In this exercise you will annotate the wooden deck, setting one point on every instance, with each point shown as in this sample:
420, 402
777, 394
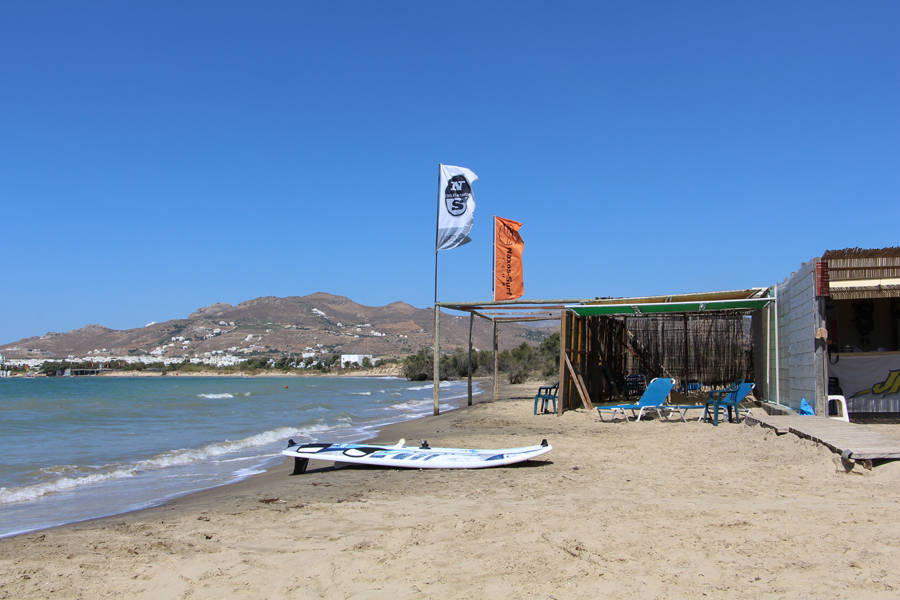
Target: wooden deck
850, 440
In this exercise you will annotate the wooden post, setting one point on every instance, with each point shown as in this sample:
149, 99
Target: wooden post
561, 392
496, 363
819, 367
437, 360
685, 364
471, 320
579, 384
578, 355
582, 355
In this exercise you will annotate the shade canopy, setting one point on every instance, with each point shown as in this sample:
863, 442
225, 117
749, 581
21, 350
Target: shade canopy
650, 308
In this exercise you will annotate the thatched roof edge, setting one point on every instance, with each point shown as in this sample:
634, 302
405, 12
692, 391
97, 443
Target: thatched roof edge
890, 251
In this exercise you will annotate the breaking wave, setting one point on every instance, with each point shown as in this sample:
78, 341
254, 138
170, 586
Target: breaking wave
430, 386
172, 458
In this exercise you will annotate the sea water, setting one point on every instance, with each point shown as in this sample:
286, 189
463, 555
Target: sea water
79, 448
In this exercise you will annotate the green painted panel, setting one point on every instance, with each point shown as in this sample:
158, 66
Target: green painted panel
669, 307
602, 310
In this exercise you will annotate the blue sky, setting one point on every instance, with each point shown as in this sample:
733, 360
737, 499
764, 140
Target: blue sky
158, 157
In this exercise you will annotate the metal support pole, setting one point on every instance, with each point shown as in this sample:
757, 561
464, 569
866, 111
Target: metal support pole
437, 360
437, 312
777, 353
768, 353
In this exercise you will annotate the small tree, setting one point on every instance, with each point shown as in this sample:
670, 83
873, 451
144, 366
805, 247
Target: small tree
419, 366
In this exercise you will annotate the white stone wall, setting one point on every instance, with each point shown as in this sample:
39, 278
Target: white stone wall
797, 321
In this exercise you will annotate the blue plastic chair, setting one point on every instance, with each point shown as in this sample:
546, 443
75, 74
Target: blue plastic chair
545, 395
653, 398
721, 394
730, 400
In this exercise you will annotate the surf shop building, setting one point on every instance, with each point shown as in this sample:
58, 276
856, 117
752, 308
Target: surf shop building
838, 333
830, 330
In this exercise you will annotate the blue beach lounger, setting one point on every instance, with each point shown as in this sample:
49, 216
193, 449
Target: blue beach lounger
681, 410
653, 398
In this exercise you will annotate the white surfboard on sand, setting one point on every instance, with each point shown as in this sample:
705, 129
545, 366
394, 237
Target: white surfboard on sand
412, 457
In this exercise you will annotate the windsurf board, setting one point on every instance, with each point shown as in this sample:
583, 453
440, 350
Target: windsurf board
412, 457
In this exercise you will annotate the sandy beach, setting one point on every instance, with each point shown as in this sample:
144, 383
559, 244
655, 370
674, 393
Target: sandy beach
649, 510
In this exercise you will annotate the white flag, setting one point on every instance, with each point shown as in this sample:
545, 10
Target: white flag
456, 207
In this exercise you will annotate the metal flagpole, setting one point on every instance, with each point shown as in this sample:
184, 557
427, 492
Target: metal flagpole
496, 343
437, 220
437, 361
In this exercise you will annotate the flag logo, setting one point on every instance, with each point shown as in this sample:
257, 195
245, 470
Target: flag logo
456, 207
457, 195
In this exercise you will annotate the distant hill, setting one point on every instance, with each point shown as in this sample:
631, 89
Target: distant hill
271, 325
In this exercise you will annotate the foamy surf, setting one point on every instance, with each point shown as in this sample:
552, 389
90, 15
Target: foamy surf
430, 386
131, 444
164, 460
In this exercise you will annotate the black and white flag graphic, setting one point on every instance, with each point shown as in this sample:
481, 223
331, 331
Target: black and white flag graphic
456, 207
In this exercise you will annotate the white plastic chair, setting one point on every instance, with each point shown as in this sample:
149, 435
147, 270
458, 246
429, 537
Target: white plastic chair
842, 403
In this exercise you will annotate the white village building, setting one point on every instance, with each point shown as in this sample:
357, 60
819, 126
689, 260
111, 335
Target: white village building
356, 359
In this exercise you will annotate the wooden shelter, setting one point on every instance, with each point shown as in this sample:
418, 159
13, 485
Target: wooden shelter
507, 311
699, 339
601, 338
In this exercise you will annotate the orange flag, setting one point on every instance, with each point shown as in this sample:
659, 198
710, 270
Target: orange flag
509, 280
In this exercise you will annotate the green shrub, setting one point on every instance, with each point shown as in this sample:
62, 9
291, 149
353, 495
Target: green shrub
419, 366
518, 363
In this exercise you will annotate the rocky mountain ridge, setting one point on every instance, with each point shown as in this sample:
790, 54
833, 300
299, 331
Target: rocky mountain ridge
319, 322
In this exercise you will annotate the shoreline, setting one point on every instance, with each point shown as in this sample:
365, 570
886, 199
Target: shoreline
656, 508
390, 433
374, 372
455, 403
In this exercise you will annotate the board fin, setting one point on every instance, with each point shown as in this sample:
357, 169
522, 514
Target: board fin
300, 465
401, 443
